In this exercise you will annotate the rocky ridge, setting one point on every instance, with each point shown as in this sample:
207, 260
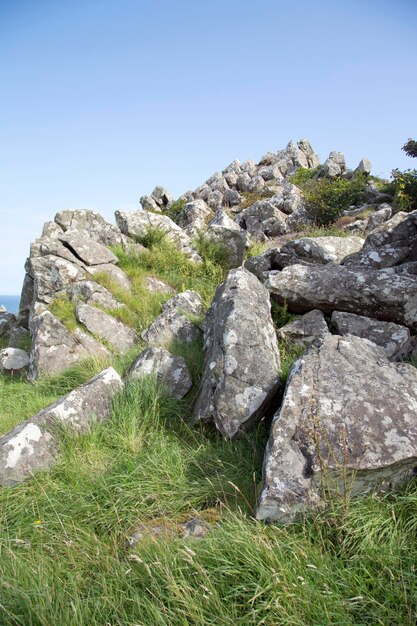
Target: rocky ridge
349, 406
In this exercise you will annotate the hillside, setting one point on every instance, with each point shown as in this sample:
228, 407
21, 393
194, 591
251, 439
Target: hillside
208, 411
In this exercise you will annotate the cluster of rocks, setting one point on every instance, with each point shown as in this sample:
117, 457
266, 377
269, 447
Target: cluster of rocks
347, 416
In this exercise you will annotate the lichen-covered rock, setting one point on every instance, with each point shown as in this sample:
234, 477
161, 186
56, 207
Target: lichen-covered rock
91, 224
87, 249
55, 348
263, 219
189, 302
194, 217
116, 274
138, 223
364, 167
171, 326
117, 334
241, 365
304, 330
52, 274
170, 370
13, 360
7, 322
372, 293
389, 336
34, 445
348, 422
90, 292
227, 234
383, 214
317, 250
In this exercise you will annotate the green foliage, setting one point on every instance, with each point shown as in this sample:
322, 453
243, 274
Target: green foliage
404, 189
250, 197
212, 251
175, 209
152, 237
303, 175
289, 352
64, 558
256, 248
410, 148
64, 310
326, 198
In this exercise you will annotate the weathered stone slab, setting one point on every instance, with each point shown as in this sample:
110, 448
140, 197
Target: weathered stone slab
52, 274
91, 224
372, 293
225, 232
348, 422
262, 220
171, 326
86, 249
55, 348
13, 360
241, 366
92, 293
303, 331
117, 334
7, 322
317, 250
138, 223
116, 274
189, 302
389, 336
171, 370
34, 445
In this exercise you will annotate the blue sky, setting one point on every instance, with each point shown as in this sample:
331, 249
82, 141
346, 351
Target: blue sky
100, 101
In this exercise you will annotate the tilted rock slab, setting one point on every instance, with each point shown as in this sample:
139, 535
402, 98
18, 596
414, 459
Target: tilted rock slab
389, 336
117, 334
348, 422
304, 330
241, 365
34, 445
316, 250
116, 274
55, 348
86, 249
137, 223
52, 274
91, 224
170, 370
372, 293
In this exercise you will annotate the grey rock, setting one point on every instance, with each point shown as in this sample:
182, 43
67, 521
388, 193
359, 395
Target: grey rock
34, 445
86, 249
189, 302
215, 199
365, 166
51, 230
90, 292
7, 322
243, 181
19, 337
263, 219
348, 421
154, 285
117, 275
381, 257
91, 224
241, 365
162, 197
334, 166
118, 335
398, 231
54, 348
227, 234
138, 223
52, 274
372, 293
256, 184
313, 160
389, 336
195, 216
232, 199
45, 246
26, 300
317, 250
234, 167
149, 204
13, 360
170, 370
171, 327
259, 265
304, 330
380, 216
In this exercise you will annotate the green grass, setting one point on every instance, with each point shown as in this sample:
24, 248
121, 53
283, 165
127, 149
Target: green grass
64, 559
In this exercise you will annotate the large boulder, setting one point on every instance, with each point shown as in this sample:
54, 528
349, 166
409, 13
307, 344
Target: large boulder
118, 335
194, 217
116, 275
304, 330
55, 348
241, 365
34, 445
389, 336
13, 360
227, 234
170, 370
262, 220
174, 323
52, 274
91, 224
7, 322
138, 223
372, 293
347, 425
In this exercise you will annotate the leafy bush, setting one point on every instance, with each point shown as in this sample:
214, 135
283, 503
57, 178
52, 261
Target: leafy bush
175, 209
326, 198
403, 187
152, 237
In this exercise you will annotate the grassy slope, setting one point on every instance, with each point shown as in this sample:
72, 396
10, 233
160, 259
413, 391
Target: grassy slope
63, 553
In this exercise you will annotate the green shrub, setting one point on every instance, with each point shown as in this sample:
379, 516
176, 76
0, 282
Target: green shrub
326, 198
403, 188
175, 209
152, 237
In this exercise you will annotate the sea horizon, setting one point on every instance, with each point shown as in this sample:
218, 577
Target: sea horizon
11, 303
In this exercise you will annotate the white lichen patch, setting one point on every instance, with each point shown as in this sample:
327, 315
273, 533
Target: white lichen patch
22, 442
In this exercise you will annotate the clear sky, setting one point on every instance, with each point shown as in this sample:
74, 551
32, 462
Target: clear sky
101, 100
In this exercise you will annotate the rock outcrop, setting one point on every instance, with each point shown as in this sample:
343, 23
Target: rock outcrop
241, 367
347, 425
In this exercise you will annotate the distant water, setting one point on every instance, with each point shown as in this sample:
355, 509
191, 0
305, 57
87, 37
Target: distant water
11, 303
